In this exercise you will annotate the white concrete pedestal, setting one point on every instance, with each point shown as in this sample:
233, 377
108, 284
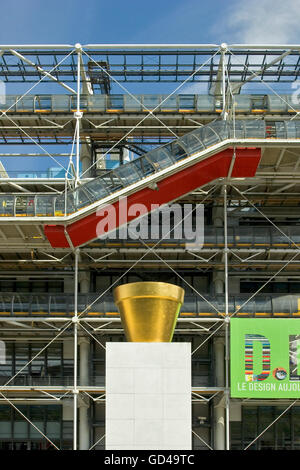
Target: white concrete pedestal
148, 396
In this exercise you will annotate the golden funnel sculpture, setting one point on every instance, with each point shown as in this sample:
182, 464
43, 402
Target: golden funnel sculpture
149, 310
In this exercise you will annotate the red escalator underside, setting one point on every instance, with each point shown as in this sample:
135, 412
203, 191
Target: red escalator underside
169, 189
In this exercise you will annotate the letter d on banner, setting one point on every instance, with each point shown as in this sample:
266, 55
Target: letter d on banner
250, 340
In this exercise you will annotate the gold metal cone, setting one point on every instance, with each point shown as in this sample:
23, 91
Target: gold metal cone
149, 310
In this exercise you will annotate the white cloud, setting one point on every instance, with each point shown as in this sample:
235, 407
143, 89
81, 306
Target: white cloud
263, 22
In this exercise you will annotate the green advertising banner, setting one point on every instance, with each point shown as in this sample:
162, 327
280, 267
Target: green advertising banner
265, 357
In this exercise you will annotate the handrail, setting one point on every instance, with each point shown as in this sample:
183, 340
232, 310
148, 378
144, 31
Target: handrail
62, 305
53, 103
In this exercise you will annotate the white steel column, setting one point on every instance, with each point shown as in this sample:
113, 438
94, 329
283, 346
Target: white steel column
218, 282
84, 430
75, 318
78, 113
219, 408
227, 320
84, 280
75, 321
223, 52
86, 159
84, 349
219, 423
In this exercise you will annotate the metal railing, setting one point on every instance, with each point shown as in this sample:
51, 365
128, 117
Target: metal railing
96, 103
62, 305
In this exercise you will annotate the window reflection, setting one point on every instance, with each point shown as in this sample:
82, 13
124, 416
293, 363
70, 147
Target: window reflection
284, 434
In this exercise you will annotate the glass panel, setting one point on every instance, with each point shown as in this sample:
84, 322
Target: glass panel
205, 103
115, 102
58, 304
96, 189
96, 103
209, 137
161, 157
192, 143
296, 427
128, 174
54, 413
83, 103
42, 103
60, 103
260, 234
21, 428
82, 198
249, 426
177, 151
53, 430
277, 104
132, 104
5, 421
169, 104
187, 101
38, 365
5, 303
21, 304
294, 234
144, 166
24, 205
25, 104
44, 205
71, 206
254, 129
209, 235
21, 358
59, 204
151, 101
6, 370
292, 107
263, 304
113, 182
54, 360
222, 128
235, 435
280, 130
237, 129
7, 205
244, 306
37, 413
293, 129
242, 103
266, 416
10, 103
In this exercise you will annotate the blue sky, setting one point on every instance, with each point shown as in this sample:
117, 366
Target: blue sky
156, 21
180, 21
97, 21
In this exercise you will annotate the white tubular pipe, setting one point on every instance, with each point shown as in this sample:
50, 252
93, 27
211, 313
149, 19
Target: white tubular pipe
227, 318
75, 320
151, 46
36, 46
265, 46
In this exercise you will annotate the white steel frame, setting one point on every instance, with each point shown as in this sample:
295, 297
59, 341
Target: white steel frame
209, 325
